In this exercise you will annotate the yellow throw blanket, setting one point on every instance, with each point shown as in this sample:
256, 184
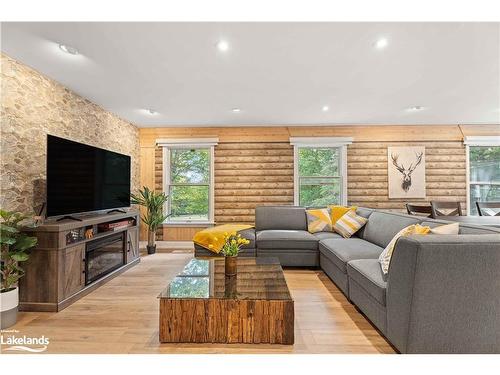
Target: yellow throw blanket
212, 238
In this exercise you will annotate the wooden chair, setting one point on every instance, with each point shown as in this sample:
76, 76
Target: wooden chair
418, 210
484, 208
436, 207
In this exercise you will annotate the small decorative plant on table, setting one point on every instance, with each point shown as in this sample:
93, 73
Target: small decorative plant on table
154, 216
14, 250
232, 246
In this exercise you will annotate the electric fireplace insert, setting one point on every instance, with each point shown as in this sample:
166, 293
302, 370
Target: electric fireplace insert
103, 256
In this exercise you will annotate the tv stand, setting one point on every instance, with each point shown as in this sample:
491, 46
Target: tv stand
116, 210
69, 217
56, 272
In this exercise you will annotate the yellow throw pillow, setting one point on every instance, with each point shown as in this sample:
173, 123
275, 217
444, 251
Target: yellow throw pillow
349, 224
446, 229
339, 211
385, 256
318, 220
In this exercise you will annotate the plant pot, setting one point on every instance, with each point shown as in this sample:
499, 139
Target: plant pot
151, 249
231, 265
9, 302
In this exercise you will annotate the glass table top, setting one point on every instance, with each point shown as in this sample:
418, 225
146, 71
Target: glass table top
257, 278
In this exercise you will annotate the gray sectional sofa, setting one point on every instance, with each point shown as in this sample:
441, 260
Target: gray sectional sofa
442, 293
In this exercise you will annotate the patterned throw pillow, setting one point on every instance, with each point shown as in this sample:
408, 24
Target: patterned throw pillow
349, 224
318, 220
385, 256
339, 211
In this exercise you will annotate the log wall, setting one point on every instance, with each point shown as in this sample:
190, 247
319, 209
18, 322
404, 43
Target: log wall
251, 174
367, 177
254, 166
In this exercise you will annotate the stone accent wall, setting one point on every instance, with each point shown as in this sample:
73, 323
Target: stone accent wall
33, 106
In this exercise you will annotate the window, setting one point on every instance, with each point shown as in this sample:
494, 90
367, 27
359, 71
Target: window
188, 181
484, 170
484, 180
320, 171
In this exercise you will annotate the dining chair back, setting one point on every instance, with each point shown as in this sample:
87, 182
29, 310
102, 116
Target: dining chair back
438, 209
488, 208
419, 210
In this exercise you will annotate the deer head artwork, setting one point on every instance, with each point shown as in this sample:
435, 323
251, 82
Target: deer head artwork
406, 172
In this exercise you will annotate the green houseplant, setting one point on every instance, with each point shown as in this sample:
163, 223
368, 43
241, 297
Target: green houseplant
153, 216
14, 250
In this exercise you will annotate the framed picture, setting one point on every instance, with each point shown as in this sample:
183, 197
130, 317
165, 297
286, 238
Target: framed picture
406, 170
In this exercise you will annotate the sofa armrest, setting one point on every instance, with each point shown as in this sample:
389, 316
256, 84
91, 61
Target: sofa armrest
443, 294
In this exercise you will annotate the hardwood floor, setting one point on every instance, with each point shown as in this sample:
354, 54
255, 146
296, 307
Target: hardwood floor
122, 317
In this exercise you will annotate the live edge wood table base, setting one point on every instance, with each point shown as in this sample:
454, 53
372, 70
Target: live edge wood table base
252, 308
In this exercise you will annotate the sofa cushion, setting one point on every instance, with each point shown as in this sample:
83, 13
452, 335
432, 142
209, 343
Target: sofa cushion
452, 228
318, 220
434, 223
385, 257
325, 235
464, 228
349, 224
367, 273
340, 251
280, 217
338, 211
365, 212
286, 239
383, 226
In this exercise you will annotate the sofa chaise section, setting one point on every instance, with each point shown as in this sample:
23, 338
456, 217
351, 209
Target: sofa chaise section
367, 290
335, 253
369, 243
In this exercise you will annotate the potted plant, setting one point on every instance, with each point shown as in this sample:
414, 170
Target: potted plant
14, 250
153, 217
230, 249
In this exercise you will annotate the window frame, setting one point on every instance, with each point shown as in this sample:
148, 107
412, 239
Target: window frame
321, 142
476, 141
197, 144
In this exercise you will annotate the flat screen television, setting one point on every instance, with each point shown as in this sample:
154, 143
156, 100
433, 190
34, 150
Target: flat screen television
83, 178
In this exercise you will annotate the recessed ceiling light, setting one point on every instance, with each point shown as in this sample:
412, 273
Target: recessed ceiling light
416, 108
236, 110
68, 49
151, 112
325, 108
222, 45
381, 43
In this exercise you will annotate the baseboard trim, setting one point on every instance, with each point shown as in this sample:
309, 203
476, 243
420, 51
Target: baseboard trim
181, 245
171, 245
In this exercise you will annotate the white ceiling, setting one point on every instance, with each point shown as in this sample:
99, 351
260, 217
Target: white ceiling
277, 73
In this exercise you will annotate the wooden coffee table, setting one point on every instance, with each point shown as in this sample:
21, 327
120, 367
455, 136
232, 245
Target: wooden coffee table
202, 305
